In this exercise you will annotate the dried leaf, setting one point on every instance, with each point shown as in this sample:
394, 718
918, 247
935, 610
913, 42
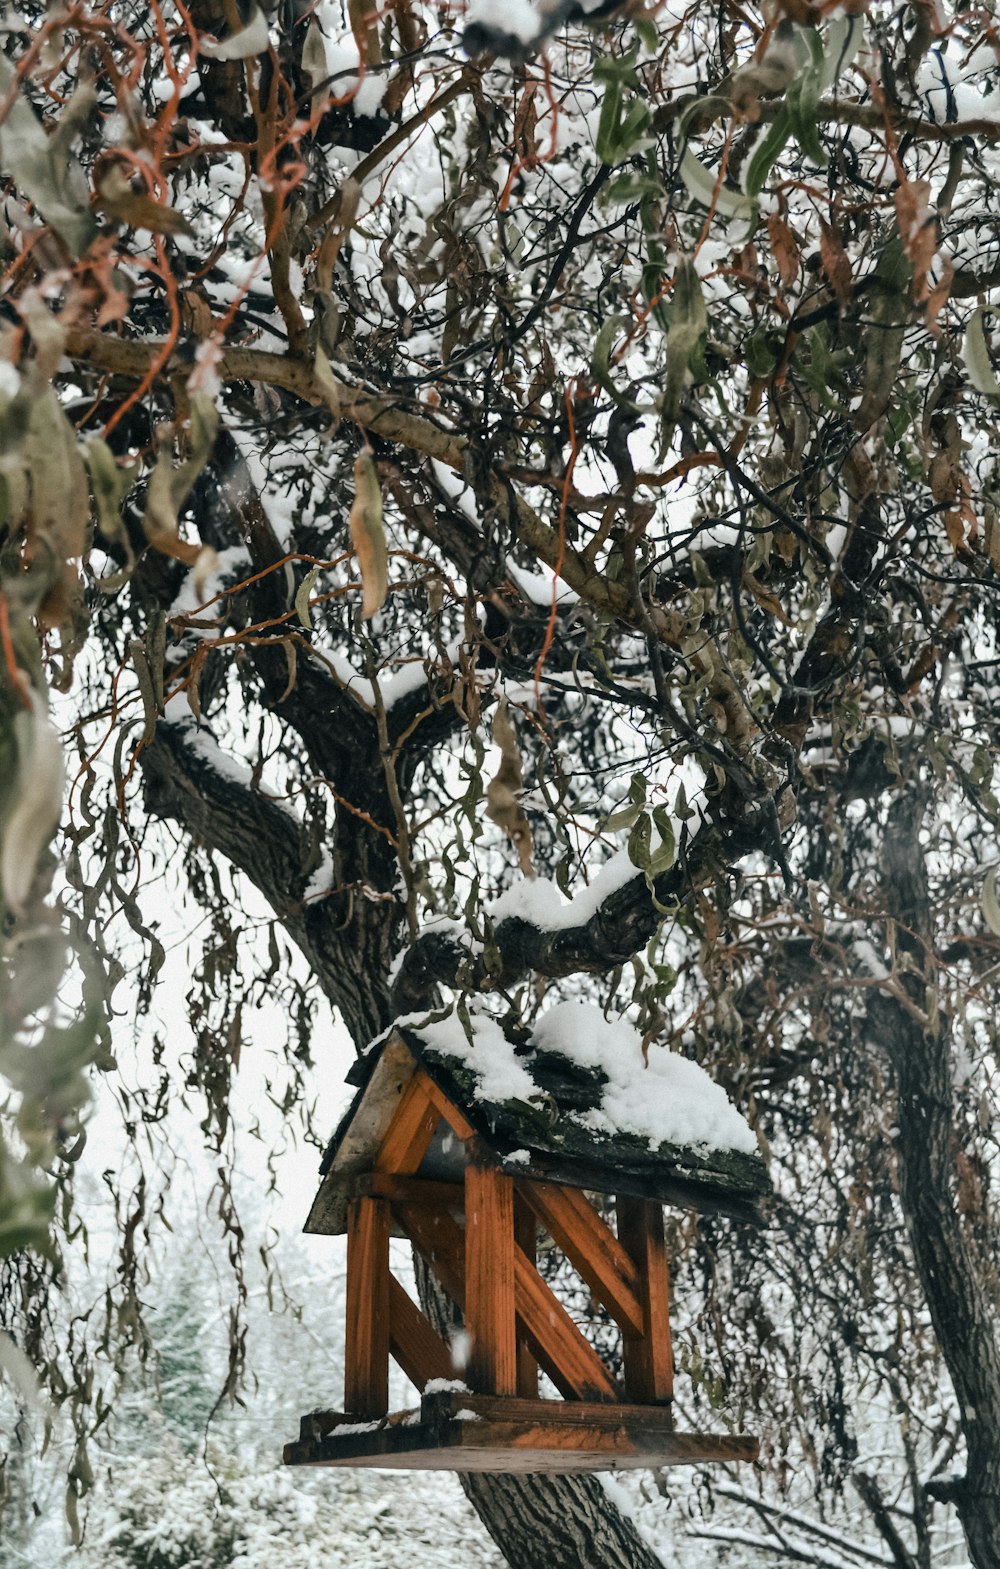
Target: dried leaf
503, 794
136, 208
835, 262
315, 66
302, 596
326, 381
990, 903
368, 535
171, 482
783, 249
147, 690
917, 230
38, 163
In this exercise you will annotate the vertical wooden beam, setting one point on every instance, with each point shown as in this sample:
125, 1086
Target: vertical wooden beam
649, 1357
526, 1238
489, 1280
366, 1355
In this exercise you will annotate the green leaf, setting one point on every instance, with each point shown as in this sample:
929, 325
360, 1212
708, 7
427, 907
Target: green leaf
767, 152
663, 857
32, 808
600, 364
639, 841
688, 324
171, 482
802, 100
976, 356
110, 483
700, 184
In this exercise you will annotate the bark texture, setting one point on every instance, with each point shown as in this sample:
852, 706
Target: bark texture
956, 1275
543, 1522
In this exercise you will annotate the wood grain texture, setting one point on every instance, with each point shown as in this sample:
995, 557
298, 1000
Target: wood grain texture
563, 1350
366, 1351
455, 1119
526, 1239
591, 1247
648, 1356
413, 1342
448, 1196
489, 1280
553, 1339
469, 1433
411, 1129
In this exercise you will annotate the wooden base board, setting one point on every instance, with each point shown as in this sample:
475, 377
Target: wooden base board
453, 1431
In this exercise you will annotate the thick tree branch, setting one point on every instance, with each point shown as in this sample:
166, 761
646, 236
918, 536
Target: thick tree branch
619, 928
382, 416
347, 939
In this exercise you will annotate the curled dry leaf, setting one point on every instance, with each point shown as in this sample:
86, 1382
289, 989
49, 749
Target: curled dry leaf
368, 535
835, 261
783, 249
503, 794
990, 903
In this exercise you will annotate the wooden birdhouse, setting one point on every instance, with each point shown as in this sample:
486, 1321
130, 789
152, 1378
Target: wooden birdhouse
477, 1150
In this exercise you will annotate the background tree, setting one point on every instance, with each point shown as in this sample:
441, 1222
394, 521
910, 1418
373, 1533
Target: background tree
496, 465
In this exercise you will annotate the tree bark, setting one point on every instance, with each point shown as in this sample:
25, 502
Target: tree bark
543, 1522
960, 1291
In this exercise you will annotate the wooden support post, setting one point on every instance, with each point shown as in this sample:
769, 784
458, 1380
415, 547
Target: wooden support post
489, 1280
366, 1357
526, 1239
649, 1357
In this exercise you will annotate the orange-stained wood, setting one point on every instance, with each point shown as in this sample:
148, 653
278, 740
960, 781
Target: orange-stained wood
566, 1354
366, 1358
449, 1111
414, 1190
648, 1357
489, 1280
526, 1238
591, 1247
414, 1343
552, 1338
411, 1129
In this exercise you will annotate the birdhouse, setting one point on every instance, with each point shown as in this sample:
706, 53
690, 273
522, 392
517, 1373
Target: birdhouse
476, 1148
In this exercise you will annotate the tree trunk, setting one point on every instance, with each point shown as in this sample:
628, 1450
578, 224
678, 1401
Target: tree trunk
960, 1290
543, 1522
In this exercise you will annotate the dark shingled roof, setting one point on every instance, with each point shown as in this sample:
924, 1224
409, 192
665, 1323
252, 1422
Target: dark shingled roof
552, 1127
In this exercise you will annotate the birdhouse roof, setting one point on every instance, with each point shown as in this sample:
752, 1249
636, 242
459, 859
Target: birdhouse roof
576, 1102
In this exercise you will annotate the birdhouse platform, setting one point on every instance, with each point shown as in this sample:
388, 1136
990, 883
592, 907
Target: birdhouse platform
455, 1431
474, 1183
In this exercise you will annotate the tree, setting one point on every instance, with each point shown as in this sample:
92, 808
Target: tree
424, 473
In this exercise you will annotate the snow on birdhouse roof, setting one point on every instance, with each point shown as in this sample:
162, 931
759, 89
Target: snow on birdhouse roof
574, 1100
